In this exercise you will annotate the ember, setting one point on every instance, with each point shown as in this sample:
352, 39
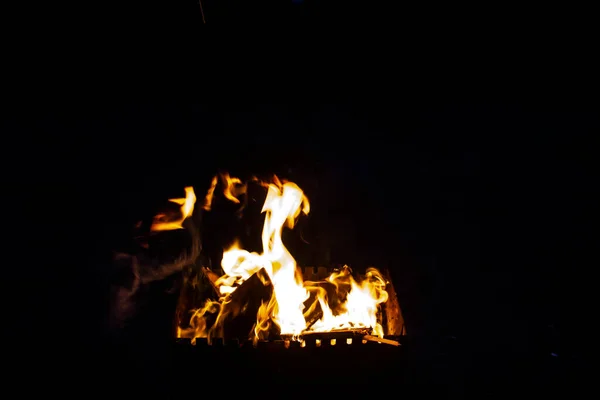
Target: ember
266, 295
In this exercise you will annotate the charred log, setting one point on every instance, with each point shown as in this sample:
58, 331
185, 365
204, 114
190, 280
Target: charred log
242, 305
376, 339
212, 279
313, 313
197, 286
341, 335
394, 322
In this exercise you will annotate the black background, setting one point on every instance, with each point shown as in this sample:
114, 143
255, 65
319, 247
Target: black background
479, 211
470, 178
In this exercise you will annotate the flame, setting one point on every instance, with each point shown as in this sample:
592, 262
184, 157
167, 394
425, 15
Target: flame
356, 302
232, 188
187, 208
362, 300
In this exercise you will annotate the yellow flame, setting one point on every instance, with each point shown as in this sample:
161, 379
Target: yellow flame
361, 305
187, 208
357, 302
232, 188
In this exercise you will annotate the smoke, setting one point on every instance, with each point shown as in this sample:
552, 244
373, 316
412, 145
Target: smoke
152, 261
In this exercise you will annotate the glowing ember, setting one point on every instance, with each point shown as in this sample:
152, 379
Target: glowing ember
295, 306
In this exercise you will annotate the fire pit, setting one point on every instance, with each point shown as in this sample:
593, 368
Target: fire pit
260, 311
329, 358
266, 296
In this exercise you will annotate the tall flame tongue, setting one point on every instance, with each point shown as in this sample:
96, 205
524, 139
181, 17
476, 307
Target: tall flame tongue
283, 207
357, 302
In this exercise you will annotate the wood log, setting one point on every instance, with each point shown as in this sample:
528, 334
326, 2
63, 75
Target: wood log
241, 306
196, 289
377, 339
340, 335
212, 279
313, 316
394, 322
313, 311
185, 302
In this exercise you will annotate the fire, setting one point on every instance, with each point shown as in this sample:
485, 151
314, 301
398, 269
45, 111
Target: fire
161, 223
233, 187
295, 306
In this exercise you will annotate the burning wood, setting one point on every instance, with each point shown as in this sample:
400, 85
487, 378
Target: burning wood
376, 339
313, 314
212, 278
312, 305
338, 334
242, 305
394, 320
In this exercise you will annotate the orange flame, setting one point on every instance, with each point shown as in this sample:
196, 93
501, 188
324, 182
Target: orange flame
358, 301
187, 208
232, 188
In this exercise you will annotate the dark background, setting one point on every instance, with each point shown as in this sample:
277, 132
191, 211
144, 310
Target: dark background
479, 211
465, 167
